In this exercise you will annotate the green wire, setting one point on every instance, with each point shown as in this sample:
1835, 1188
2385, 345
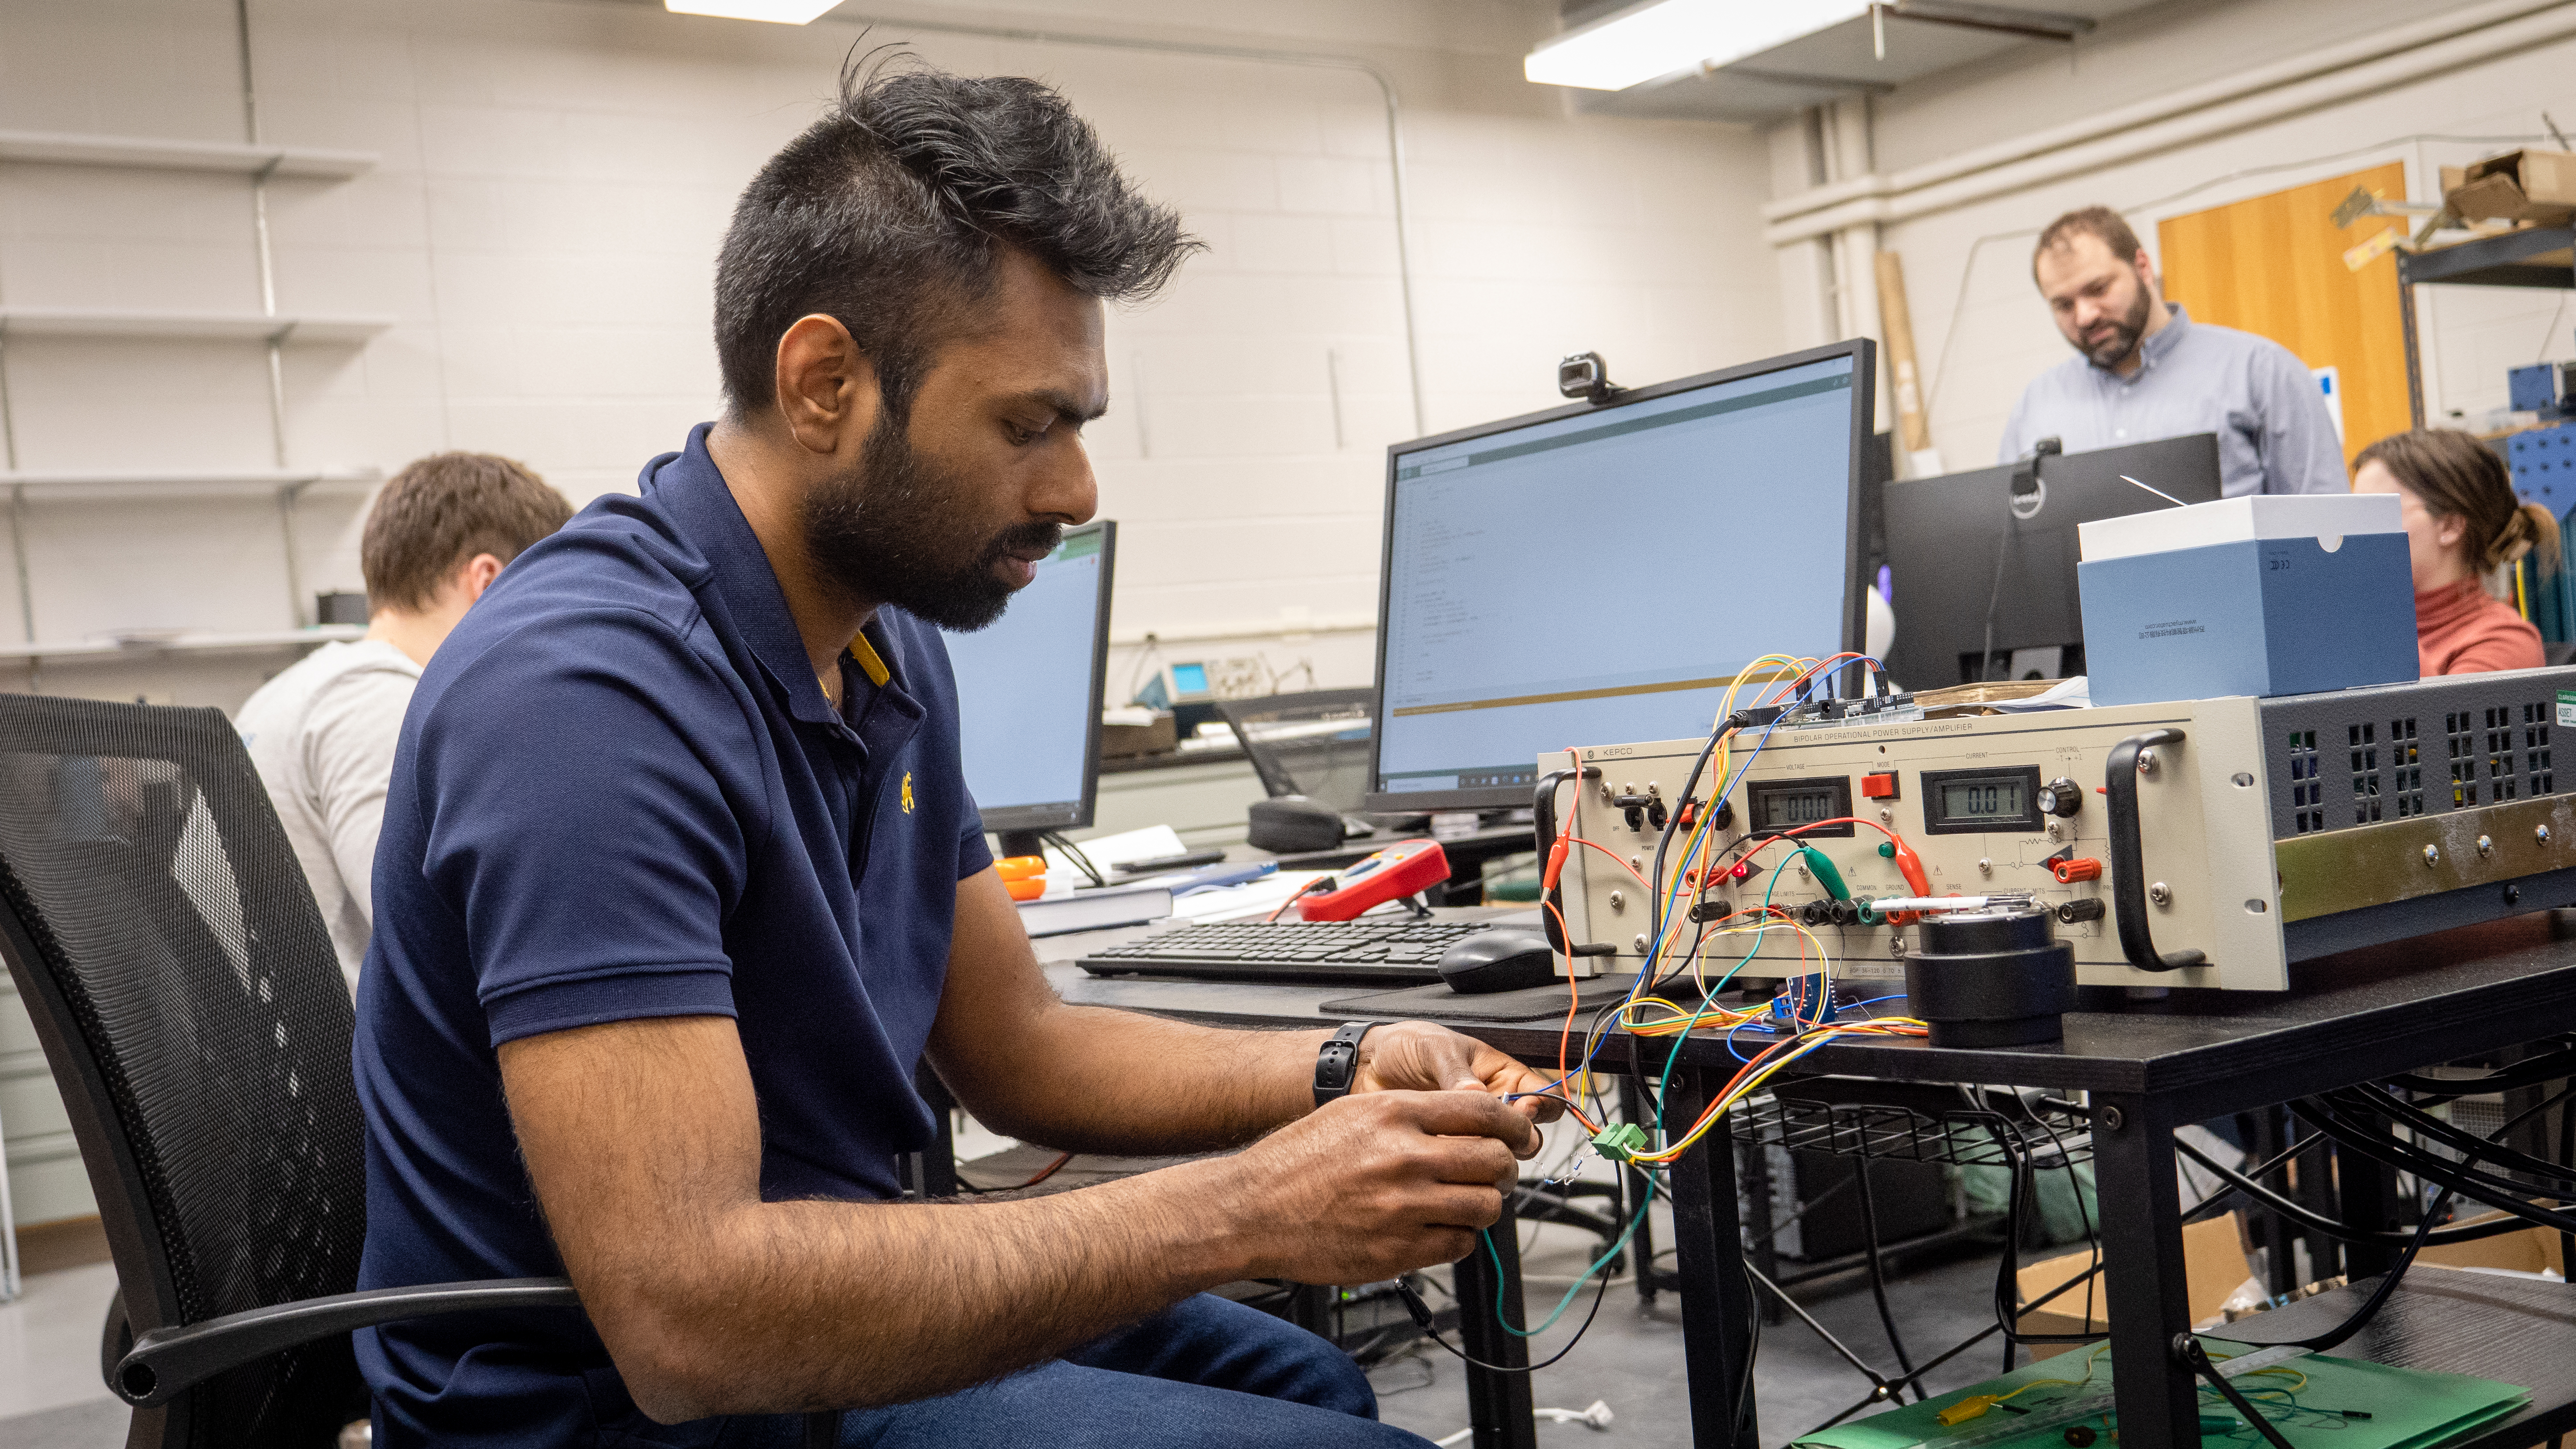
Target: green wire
1563, 1303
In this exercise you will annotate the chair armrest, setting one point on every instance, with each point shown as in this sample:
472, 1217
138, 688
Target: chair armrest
167, 1362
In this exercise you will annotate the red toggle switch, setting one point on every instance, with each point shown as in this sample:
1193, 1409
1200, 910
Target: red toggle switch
1878, 787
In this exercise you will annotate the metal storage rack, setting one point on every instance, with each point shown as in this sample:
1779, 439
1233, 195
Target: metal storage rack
2542, 257
283, 484
268, 327
2534, 257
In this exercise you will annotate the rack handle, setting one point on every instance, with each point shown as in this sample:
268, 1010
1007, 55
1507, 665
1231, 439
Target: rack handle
2128, 856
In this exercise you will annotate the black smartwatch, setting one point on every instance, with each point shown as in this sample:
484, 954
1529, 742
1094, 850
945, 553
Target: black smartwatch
1337, 1061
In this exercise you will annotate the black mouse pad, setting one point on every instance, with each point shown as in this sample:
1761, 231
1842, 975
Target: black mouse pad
1438, 1003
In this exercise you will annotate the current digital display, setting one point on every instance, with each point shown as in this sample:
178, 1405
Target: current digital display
1777, 806
1969, 802
1988, 798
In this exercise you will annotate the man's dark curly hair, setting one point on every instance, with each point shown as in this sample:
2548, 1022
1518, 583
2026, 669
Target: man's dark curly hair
891, 212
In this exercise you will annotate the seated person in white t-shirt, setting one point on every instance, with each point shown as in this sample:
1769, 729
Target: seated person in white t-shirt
322, 733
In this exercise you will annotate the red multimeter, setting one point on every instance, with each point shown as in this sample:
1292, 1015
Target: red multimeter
1399, 870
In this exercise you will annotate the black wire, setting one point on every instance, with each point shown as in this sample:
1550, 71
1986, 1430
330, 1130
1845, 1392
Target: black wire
2003, 550
2469, 1184
1878, 1270
2423, 1230
2523, 1073
2450, 1136
2024, 1185
2196, 1356
2387, 1284
1837, 1345
1421, 1312
2315, 1221
2566, 1153
1073, 852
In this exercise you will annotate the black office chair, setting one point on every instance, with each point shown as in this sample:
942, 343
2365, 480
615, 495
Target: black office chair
164, 940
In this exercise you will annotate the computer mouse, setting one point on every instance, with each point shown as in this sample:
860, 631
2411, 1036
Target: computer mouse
1498, 961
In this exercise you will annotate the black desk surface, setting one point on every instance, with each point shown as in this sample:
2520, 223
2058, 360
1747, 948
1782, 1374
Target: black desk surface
2386, 1000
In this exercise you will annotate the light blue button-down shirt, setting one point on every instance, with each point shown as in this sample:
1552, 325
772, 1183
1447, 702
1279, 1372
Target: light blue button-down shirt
2274, 434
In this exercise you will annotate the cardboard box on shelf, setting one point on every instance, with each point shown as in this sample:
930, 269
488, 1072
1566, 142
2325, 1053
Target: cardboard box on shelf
2523, 186
2213, 1266
2530, 1251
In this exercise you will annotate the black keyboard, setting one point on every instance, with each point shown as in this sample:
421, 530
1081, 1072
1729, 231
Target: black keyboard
1399, 949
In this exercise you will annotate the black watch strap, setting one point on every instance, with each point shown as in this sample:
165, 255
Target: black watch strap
1337, 1062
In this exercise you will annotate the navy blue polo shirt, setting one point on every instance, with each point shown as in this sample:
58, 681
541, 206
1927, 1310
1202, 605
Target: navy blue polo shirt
620, 793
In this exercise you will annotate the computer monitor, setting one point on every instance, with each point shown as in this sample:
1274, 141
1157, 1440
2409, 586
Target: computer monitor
1960, 549
1028, 692
1600, 573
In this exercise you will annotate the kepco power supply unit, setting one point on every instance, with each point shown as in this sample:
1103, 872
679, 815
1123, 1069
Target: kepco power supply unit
2206, 843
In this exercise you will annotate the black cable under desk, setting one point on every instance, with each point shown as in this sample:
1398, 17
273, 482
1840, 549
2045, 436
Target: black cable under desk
2150, 1067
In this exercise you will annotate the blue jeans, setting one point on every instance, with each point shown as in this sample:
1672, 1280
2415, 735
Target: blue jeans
1206, 1371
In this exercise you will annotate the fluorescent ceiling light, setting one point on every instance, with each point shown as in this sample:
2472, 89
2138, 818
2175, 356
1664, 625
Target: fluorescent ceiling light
1671, 35
783, 12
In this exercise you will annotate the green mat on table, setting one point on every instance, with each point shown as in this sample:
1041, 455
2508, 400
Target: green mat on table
2409, 1408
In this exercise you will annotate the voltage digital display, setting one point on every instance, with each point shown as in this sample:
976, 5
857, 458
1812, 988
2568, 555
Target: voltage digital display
1975, 802
1779, 806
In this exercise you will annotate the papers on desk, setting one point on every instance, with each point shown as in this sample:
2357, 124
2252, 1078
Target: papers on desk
1249, 902
1109, 851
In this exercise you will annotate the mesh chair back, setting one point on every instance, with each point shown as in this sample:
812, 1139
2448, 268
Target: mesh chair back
169, 950
1314, 744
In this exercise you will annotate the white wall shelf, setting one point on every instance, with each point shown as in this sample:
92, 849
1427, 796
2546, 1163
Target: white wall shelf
168, 483
135, 647
184, 326
151, 153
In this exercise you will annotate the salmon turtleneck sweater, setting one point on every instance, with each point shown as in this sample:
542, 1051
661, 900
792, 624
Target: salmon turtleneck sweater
2462, 630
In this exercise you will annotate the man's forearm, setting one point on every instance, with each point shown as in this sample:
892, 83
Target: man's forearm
817, 1304
1120, 1082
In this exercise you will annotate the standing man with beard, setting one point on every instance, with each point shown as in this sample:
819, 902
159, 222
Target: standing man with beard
2147, 371
679, 883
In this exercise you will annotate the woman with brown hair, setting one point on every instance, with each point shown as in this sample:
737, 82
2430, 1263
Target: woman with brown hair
2463, 528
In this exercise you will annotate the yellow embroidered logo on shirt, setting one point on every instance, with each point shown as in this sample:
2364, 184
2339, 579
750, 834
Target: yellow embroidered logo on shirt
907, 792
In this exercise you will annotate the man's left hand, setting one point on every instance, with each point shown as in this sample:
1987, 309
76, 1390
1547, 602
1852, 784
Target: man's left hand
1416, 1056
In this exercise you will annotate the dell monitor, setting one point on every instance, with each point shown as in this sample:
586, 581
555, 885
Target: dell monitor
1028, 695
1602, 572
1999, 545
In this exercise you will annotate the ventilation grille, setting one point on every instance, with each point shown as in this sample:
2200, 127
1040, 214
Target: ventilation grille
2483, 738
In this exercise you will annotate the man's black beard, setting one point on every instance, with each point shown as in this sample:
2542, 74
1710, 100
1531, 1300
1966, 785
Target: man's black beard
878, 534
2124, 336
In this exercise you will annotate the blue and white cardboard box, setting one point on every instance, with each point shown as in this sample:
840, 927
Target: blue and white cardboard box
2261, 595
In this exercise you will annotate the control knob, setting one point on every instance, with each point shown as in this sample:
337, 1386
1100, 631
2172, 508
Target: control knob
2061, 797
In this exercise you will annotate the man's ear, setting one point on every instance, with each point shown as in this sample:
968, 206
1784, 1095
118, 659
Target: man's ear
826, 387
473, 576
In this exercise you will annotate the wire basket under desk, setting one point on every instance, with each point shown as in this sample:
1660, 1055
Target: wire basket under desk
1965, 1136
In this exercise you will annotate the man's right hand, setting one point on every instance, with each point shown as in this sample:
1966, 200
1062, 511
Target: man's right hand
1373, 1185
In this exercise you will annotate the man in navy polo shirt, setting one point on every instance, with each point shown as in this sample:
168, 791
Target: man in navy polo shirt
679, 880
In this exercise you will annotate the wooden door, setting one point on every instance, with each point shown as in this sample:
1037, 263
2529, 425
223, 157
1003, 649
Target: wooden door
2274, 265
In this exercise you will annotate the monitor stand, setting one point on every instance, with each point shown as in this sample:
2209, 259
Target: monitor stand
1021, 842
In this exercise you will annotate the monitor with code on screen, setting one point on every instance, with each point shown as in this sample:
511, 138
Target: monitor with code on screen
1600, 573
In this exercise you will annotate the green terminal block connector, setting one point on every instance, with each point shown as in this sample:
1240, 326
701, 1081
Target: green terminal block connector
1825, 873
1620, 1141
